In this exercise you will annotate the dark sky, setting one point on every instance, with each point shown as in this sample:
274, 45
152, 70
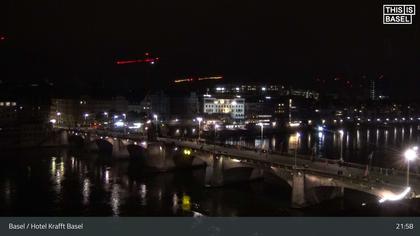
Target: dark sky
272, 40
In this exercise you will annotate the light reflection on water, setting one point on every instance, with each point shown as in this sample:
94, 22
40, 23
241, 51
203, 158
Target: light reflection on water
88, 184
386, 143
70, 183
115, 199
86, 191
143, 192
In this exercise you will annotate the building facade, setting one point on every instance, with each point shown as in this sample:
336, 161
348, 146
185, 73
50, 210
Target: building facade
235, 107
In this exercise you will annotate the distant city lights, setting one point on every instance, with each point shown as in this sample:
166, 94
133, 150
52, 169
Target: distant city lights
119, 123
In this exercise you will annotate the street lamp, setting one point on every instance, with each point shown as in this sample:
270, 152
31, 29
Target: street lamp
262, 133
341, 144
410, 155
296, 148
156, 119
86, 115
58, 117
214, 141
216, 126
199, 119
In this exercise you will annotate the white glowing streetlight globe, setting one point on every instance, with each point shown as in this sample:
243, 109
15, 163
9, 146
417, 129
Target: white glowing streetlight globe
298, 134
410, 154
341, 132
199, 119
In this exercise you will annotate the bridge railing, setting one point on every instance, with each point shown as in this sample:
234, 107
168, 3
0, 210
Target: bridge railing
372, 169
376, 171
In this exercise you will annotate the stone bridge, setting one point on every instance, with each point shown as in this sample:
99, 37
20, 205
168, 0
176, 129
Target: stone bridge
227, 165
305, 177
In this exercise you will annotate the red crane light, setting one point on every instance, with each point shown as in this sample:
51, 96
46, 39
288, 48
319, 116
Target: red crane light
147, 60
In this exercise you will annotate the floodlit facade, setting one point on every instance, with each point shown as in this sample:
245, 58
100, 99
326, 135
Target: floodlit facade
235, 107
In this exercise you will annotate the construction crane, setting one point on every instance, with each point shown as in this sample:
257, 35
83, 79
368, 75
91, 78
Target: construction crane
147, 59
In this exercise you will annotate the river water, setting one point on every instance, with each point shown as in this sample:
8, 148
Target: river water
73, 182
386, 144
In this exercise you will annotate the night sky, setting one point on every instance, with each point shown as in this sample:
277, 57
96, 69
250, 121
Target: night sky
292, 43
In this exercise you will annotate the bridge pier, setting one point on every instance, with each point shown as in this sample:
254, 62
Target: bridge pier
214, 172
90, 143
298, 190
119, 149
158, 157
310, 190
223, 170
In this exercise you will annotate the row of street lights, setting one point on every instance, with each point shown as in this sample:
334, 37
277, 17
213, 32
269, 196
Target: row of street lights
410, 154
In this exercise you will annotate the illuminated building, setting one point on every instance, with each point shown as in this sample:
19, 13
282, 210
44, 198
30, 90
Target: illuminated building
233, 106
68, 112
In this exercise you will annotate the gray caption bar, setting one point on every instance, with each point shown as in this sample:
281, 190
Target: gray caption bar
213, 226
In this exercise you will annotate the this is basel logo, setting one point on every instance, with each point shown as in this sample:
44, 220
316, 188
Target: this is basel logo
399, 14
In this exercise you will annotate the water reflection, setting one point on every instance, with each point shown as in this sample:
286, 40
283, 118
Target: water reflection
395, 135
143, 192
75, 183
115, 199
86, 191
411, 133
402, 134
294, 141
175, 203
347, 140
7, 191
57, 173
186, 203
357, 143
